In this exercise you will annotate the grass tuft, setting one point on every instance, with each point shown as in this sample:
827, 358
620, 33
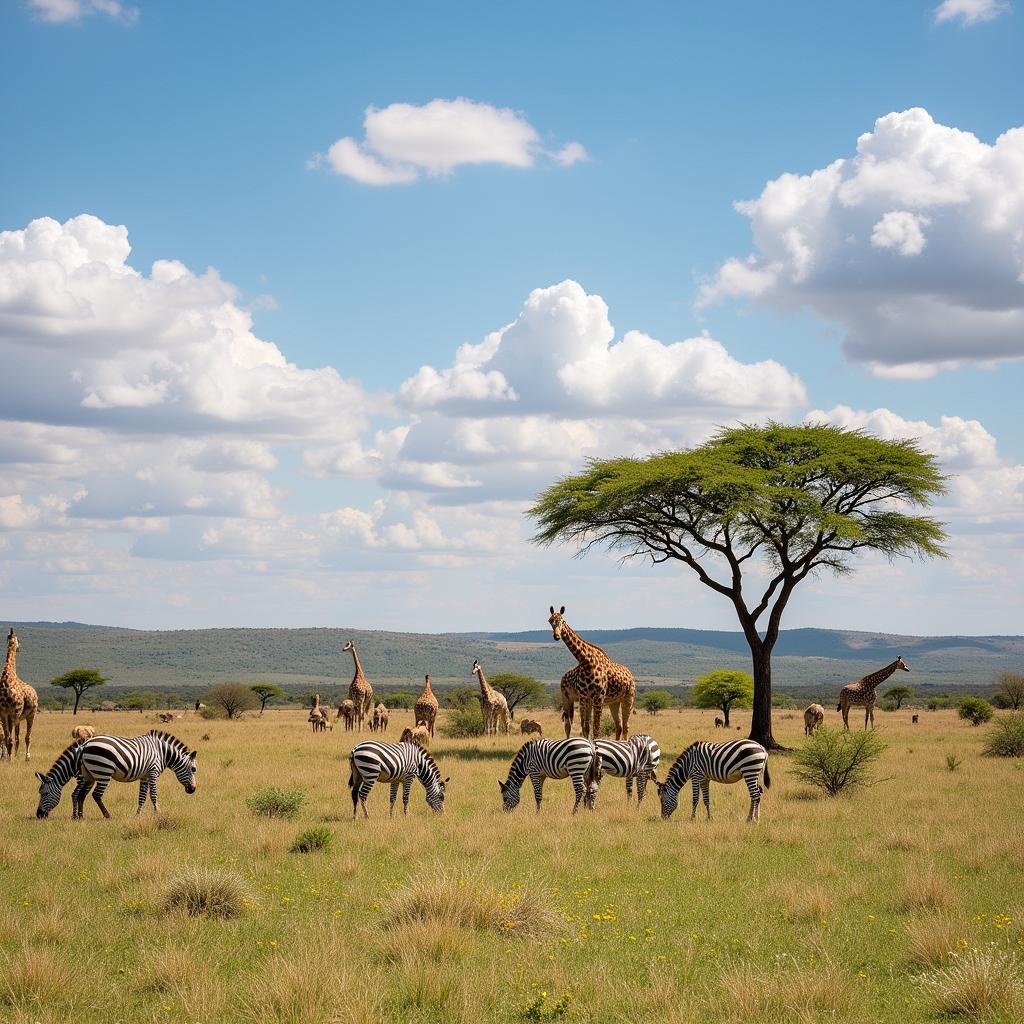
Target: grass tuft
465, 899
925, 890
204, 892
982, 983
312, 840
821, 992
274, 802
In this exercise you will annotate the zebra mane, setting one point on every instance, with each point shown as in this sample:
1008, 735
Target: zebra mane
64, 753
179, 745
431, 763
690, 747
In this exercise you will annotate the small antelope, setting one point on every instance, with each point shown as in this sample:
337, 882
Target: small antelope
529, 725
719, 723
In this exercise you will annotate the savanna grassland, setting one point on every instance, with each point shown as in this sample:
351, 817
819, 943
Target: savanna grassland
830, 910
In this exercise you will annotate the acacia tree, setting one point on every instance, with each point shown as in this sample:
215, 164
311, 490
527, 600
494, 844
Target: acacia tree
516, 688
1010, 693
79, 680
232, 698
265, 692
801, 499
898, 694
724, 688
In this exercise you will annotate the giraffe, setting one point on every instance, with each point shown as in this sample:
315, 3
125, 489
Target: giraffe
425, 711
359, 690
814, 715
594, 682
347, 710
492, 704
862, 693
18, 701
318, 715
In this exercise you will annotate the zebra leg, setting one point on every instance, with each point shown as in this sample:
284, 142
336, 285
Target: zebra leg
579, 789
538, 789
695, 785
705, 788
152, 790
81, 791
641, 788
364, 792
406, 789
629, 788
394, 797
101, 788
143, 793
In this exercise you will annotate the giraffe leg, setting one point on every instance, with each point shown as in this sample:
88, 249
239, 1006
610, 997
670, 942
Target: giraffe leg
616, 718
17, 737
595, 710
28, 736
627, 710
568, 712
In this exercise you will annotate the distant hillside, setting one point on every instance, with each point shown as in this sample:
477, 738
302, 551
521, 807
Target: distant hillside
820, 660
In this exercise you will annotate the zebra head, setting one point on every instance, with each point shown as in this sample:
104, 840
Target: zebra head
435, 795
669, 796
184, 766
49, 794
509, 795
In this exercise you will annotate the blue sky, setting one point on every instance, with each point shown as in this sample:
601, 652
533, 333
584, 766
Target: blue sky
197, 127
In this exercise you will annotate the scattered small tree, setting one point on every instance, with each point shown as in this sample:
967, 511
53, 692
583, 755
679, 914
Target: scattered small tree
231, 698
516, 689
724, 688
401, 699
836, 760
975, 710
1006, 737
898, 694
266, 692
653, 701
79, 680
1010, 692
60, 702
138, 700
462, 697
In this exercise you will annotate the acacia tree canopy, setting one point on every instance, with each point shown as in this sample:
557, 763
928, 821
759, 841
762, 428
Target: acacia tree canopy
516, 688
724, 688
265, 692
79, 680
800, 499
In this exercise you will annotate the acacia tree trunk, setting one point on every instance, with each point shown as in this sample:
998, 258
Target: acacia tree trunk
761, 719
725, 711
78, 697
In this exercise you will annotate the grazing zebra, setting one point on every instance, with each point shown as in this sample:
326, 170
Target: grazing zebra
704, 763
52, 784
576, 758
399, 764
636, 758
131, 759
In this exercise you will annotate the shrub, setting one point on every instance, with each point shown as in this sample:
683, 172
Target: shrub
1006, 737
975, 710
313, 840
983, 983
952, 762
835, 761
202, 892
463, 722
231, 699
272, 802
607, 726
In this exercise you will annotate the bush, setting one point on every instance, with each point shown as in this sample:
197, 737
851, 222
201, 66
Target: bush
272, 802
1006, 737
952, 762
975, 710
463, 722
312, 840
835, 761
207, 893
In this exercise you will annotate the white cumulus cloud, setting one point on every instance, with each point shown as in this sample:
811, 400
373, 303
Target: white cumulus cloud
970, 12
949, 205
60, 11
403, 142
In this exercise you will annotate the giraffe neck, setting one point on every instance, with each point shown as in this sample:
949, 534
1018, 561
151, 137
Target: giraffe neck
359, 668
872, 681
485, 687
582, 651
427, 691
10, 673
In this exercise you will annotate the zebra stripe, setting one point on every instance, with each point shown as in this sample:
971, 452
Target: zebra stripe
704, 763
51, 785
576, 758
131, 759
636, 758
399, 764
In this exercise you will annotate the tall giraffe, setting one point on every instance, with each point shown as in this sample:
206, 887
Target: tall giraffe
595, 681
425, 711
492, 704
862, 693
318, 715
18, 701
359, 690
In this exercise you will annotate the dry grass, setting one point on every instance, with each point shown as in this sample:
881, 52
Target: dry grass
463, 898
32, 978
985, 984
808, 903
804, 994
925, 889
207, 893
933, 939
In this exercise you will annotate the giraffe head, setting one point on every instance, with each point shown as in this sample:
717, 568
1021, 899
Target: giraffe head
901, 664
476, 667
556, 622
12, 642
349, 646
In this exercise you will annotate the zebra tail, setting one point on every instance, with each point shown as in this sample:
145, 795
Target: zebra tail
767, 777
594, 772
352, 773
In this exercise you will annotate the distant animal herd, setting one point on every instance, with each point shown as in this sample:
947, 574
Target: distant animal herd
595, 682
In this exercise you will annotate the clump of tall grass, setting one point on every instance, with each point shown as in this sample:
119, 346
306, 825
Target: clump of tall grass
807, 994
932, 939
981, 983
465, 899
274, 802
204, 892
838, 761
1006, 737
312, 840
